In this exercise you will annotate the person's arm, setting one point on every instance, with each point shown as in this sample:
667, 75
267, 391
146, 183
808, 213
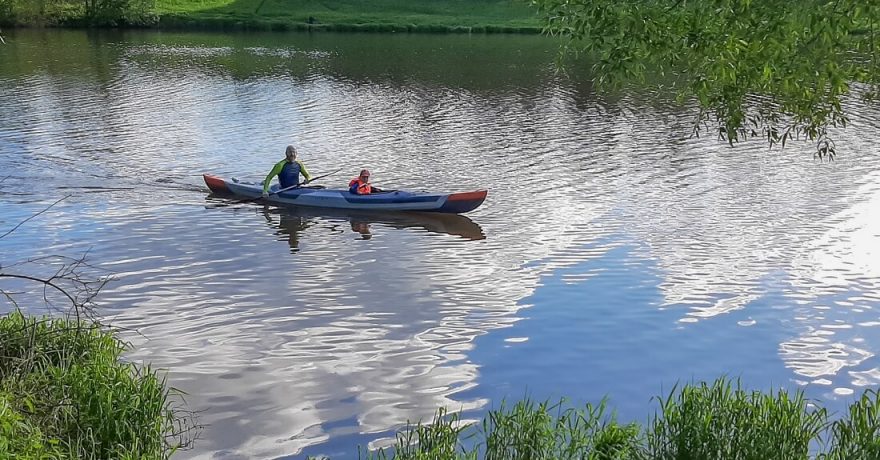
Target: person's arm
304, 171
353, 187
276, 170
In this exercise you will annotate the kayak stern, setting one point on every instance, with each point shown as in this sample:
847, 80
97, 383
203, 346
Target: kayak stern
216, 184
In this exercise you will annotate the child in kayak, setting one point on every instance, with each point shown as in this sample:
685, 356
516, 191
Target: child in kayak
361, 185
287, 170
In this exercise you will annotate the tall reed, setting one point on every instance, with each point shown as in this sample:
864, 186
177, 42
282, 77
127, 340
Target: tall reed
700, 421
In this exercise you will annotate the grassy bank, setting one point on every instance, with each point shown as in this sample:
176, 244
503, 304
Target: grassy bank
716, 421
477, 16
65, 394
349, 15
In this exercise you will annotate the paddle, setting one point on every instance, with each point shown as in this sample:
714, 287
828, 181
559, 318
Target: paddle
291, 187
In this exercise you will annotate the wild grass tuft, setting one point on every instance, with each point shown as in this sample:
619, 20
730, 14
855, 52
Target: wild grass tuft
721, 420
531, 430
525, 431
440, 439
65, 393
702, 421
857, 436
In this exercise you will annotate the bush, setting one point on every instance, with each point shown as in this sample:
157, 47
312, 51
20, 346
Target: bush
65, 393
79, 12
119, 12
7, 14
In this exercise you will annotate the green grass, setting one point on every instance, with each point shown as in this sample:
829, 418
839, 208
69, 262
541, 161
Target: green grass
857, 436
724, 421
65, 393
703, 421
367, 15
482, 16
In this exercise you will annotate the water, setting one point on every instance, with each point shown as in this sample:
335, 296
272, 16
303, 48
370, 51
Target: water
615, 255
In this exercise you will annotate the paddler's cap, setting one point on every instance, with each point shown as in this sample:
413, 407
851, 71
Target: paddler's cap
365, 173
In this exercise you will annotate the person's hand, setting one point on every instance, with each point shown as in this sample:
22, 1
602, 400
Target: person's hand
307, 182
265, 194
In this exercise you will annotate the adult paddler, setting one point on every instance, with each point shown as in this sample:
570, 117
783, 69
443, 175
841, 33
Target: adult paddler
288, 171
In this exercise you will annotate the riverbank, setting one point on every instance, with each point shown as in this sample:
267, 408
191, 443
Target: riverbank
65, 393
436, 16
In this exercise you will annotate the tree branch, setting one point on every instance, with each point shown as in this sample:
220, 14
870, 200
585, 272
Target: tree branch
35, 215
9, 298
48, 283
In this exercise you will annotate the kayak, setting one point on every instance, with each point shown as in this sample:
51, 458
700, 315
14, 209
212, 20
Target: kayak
397, 200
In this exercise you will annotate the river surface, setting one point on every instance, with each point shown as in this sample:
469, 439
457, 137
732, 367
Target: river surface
615, 255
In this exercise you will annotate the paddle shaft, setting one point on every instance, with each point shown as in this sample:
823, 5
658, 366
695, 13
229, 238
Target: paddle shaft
319, 177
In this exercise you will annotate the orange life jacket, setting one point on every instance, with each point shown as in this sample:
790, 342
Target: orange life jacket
363, 188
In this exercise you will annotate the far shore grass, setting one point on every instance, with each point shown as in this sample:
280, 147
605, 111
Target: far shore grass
476, 16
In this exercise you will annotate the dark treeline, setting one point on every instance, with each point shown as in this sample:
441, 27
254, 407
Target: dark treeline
77, 12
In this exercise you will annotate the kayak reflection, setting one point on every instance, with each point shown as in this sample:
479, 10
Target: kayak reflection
292, 221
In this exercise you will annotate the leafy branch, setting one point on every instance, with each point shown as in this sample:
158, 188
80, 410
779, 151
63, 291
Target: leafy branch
768, 69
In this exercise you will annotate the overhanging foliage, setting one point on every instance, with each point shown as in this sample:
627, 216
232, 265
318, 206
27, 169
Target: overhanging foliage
773, 68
